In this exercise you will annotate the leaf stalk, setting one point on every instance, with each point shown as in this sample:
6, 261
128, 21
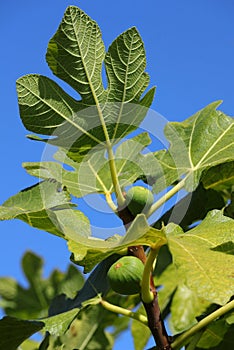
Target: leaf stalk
114, 176
110, 202
111, 158
166, 197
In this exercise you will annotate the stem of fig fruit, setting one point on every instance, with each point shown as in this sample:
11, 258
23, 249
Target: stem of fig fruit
147, 295
125, 312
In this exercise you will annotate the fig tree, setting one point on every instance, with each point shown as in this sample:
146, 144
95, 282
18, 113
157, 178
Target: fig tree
125, 275
139, 199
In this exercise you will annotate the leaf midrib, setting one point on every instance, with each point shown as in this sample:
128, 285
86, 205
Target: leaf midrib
124, 93
101, 118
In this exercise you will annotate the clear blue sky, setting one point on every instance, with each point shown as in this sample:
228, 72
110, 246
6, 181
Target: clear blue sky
190, 58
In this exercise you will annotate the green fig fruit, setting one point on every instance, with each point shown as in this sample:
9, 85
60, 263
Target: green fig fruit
125, 275
139, 200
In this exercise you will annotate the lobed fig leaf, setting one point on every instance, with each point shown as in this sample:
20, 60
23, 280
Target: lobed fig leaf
125, 275
139, 200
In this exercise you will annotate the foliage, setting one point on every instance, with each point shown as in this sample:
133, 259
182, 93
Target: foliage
97, 153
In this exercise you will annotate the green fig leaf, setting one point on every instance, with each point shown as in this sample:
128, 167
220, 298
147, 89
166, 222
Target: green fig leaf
93, 175
200, 142
22, 330
33, 302
76, 54
220, 177
45, 206
203, 256
90, 251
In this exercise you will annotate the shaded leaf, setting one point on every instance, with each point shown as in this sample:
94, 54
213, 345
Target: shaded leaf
164, 259
194, 255
94, 285
88, 331
191, 208
214, 337
185, 307
219, 177
229, 210
227, 248
71, 282
21, 330
167, 283
140, 332
58, 324
34, 301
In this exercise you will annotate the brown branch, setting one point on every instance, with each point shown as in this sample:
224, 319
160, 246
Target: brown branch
156, 324
155, 321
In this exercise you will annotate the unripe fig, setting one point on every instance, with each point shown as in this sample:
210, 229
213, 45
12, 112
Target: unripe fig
125, 275
139, 200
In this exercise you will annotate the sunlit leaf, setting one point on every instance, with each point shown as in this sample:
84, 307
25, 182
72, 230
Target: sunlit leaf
196, 144
35, 205
58, 324
29, 345
76, 54
196, 256
90, 251
46, 206
193, 271
93, 175
230, 318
